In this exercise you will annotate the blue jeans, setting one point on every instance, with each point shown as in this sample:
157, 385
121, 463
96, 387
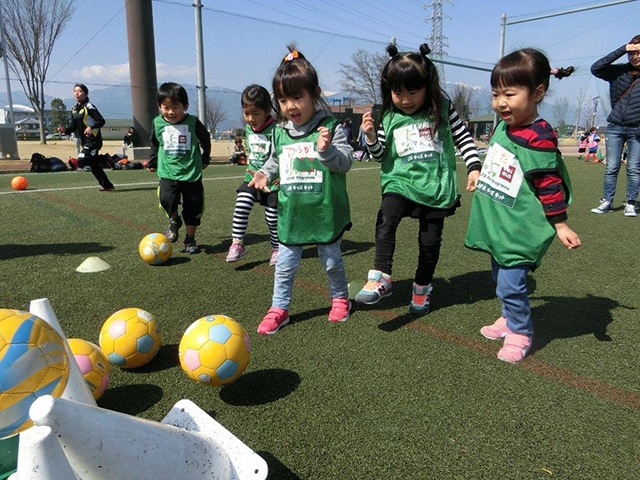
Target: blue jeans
287, 266
616, 136
511, 289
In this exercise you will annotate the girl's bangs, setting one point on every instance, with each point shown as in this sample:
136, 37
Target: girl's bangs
406, 75
292, 83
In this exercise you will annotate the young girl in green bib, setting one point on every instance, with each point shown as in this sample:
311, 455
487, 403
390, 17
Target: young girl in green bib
416, 143
521, 199
310, 155
256, 111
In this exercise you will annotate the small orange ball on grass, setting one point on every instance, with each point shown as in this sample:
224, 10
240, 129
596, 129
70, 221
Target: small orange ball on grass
19, 183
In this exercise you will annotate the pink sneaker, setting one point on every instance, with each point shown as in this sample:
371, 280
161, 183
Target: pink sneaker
273, 320
274, 257
515, 348
236, 252
496, 331
340, 308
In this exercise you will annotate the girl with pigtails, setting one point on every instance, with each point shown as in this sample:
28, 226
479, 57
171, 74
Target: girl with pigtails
521, 199
416, 142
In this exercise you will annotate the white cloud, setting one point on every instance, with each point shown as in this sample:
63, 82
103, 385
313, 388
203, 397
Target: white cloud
118, 74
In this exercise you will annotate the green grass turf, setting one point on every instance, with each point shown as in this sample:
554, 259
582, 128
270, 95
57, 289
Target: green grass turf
385, 395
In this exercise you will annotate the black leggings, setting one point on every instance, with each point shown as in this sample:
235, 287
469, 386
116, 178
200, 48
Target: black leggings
394, 209
89, 157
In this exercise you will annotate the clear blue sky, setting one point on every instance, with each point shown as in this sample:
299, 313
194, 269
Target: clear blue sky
245, 39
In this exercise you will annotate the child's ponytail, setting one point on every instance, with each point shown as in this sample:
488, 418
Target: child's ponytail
561, 72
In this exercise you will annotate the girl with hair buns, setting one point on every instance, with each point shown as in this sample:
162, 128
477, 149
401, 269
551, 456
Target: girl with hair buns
310, 155
419, 132
521, 198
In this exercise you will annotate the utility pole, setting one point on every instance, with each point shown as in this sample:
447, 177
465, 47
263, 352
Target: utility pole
437, 39
201, 87
3, 52
142, 68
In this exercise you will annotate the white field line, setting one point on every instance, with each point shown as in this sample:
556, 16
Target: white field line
136, 184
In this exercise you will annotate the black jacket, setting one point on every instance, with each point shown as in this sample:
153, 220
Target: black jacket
85, 115
625, 110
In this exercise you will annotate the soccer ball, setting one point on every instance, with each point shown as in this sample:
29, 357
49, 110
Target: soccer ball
214, 350
130, 338
93, 364
155, 249
33, 362
19, 183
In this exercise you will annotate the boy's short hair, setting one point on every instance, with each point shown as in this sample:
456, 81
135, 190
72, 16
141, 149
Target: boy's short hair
174, 92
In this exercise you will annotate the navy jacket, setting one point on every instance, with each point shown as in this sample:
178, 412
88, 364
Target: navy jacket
625, 111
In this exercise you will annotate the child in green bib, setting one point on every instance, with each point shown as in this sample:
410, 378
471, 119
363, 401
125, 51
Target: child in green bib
419, 132
310, 155
521, 199
256, 111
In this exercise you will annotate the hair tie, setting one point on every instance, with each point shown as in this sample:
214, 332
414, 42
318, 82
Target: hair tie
554, 71
290, 56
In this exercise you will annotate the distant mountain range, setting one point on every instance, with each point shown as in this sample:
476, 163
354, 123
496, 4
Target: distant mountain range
115, 102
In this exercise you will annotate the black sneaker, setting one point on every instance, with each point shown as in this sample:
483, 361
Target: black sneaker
190, 245
172, 230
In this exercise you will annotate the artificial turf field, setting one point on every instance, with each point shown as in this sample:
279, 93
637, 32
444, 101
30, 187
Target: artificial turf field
385, 395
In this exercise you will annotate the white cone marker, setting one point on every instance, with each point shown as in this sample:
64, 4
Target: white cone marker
105, 445
77, 388
92, 265
40, 457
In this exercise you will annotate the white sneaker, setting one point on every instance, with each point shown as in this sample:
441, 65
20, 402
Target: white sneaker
604, 207
630, 210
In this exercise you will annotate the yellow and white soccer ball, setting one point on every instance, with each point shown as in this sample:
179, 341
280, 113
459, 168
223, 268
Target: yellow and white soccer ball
214, 350
130, 338
155, 249
93, 364
33, 363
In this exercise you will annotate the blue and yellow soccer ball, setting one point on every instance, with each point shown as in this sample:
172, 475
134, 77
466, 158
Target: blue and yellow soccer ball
214, 350
155, 249
33, 363
130, 338
93, 364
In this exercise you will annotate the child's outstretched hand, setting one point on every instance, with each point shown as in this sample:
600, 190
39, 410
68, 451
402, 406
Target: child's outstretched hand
259, 180
324, 140
472, 180
368, 127
568, 237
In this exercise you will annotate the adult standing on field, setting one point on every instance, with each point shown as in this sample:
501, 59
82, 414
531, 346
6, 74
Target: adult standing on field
86, 122
623, 123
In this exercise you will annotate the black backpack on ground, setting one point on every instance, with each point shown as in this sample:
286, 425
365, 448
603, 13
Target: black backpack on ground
40, 163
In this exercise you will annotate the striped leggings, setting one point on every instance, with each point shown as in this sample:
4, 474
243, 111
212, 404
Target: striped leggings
244, 204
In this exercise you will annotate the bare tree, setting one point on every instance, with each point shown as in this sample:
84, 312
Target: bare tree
462, 96
31, 28
579, 107
362, 78
559, 110
215, 114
